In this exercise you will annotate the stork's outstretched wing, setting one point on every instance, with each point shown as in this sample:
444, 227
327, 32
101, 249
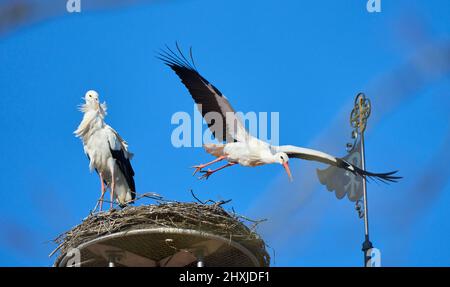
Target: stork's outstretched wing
315, 155
206, 96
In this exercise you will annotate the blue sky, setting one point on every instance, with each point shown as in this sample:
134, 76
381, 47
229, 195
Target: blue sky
305, 60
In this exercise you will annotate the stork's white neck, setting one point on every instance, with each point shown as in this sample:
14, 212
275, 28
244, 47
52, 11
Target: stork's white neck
267, 156
93, 119
273, 158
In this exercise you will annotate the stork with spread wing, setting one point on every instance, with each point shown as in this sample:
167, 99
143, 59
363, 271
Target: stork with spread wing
237, 145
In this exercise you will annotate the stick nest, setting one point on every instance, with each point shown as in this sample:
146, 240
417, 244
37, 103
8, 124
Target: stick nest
211, 218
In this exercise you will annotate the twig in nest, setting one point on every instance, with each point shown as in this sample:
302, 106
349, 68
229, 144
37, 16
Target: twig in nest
150, 195
215, 203
252, 220
219, 203
196, 198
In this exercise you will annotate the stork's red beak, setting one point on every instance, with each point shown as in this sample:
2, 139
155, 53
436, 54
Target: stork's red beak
288, 171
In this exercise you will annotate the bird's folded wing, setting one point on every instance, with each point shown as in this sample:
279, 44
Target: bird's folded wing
120, 141
121, 155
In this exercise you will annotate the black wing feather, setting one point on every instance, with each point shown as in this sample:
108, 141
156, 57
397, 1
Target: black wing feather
197, 85
341, 163
125, 167
383, 177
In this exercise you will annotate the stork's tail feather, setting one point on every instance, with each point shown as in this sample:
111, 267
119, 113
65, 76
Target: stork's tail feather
128, 200
383, 177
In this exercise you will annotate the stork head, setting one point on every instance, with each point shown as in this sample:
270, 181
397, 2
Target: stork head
283, 159
91, 98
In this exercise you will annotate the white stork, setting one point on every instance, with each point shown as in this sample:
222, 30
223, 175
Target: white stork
240, 147
107, 152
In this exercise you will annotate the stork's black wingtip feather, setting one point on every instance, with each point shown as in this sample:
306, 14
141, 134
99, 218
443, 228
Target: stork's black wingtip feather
175, 59
385, 177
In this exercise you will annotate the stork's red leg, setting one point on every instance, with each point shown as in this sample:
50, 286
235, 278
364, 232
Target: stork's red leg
207, 174
200, 166
113, 187
113, 184
102, 193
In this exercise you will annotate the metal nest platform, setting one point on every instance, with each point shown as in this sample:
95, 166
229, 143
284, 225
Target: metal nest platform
167, 234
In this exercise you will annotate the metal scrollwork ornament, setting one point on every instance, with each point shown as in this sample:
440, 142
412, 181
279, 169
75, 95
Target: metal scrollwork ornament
360, 113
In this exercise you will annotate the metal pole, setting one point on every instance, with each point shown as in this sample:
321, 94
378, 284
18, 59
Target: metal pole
363, 166
358, 120
367, 245
200, 254
113, 256
200, 262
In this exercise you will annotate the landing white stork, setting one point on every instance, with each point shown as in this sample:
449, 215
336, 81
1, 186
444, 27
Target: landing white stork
107, 152
240, 147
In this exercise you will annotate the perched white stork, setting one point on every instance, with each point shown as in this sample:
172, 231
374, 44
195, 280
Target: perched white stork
107, 152
240, 147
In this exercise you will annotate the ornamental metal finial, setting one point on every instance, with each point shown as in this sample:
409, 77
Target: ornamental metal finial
360, 113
